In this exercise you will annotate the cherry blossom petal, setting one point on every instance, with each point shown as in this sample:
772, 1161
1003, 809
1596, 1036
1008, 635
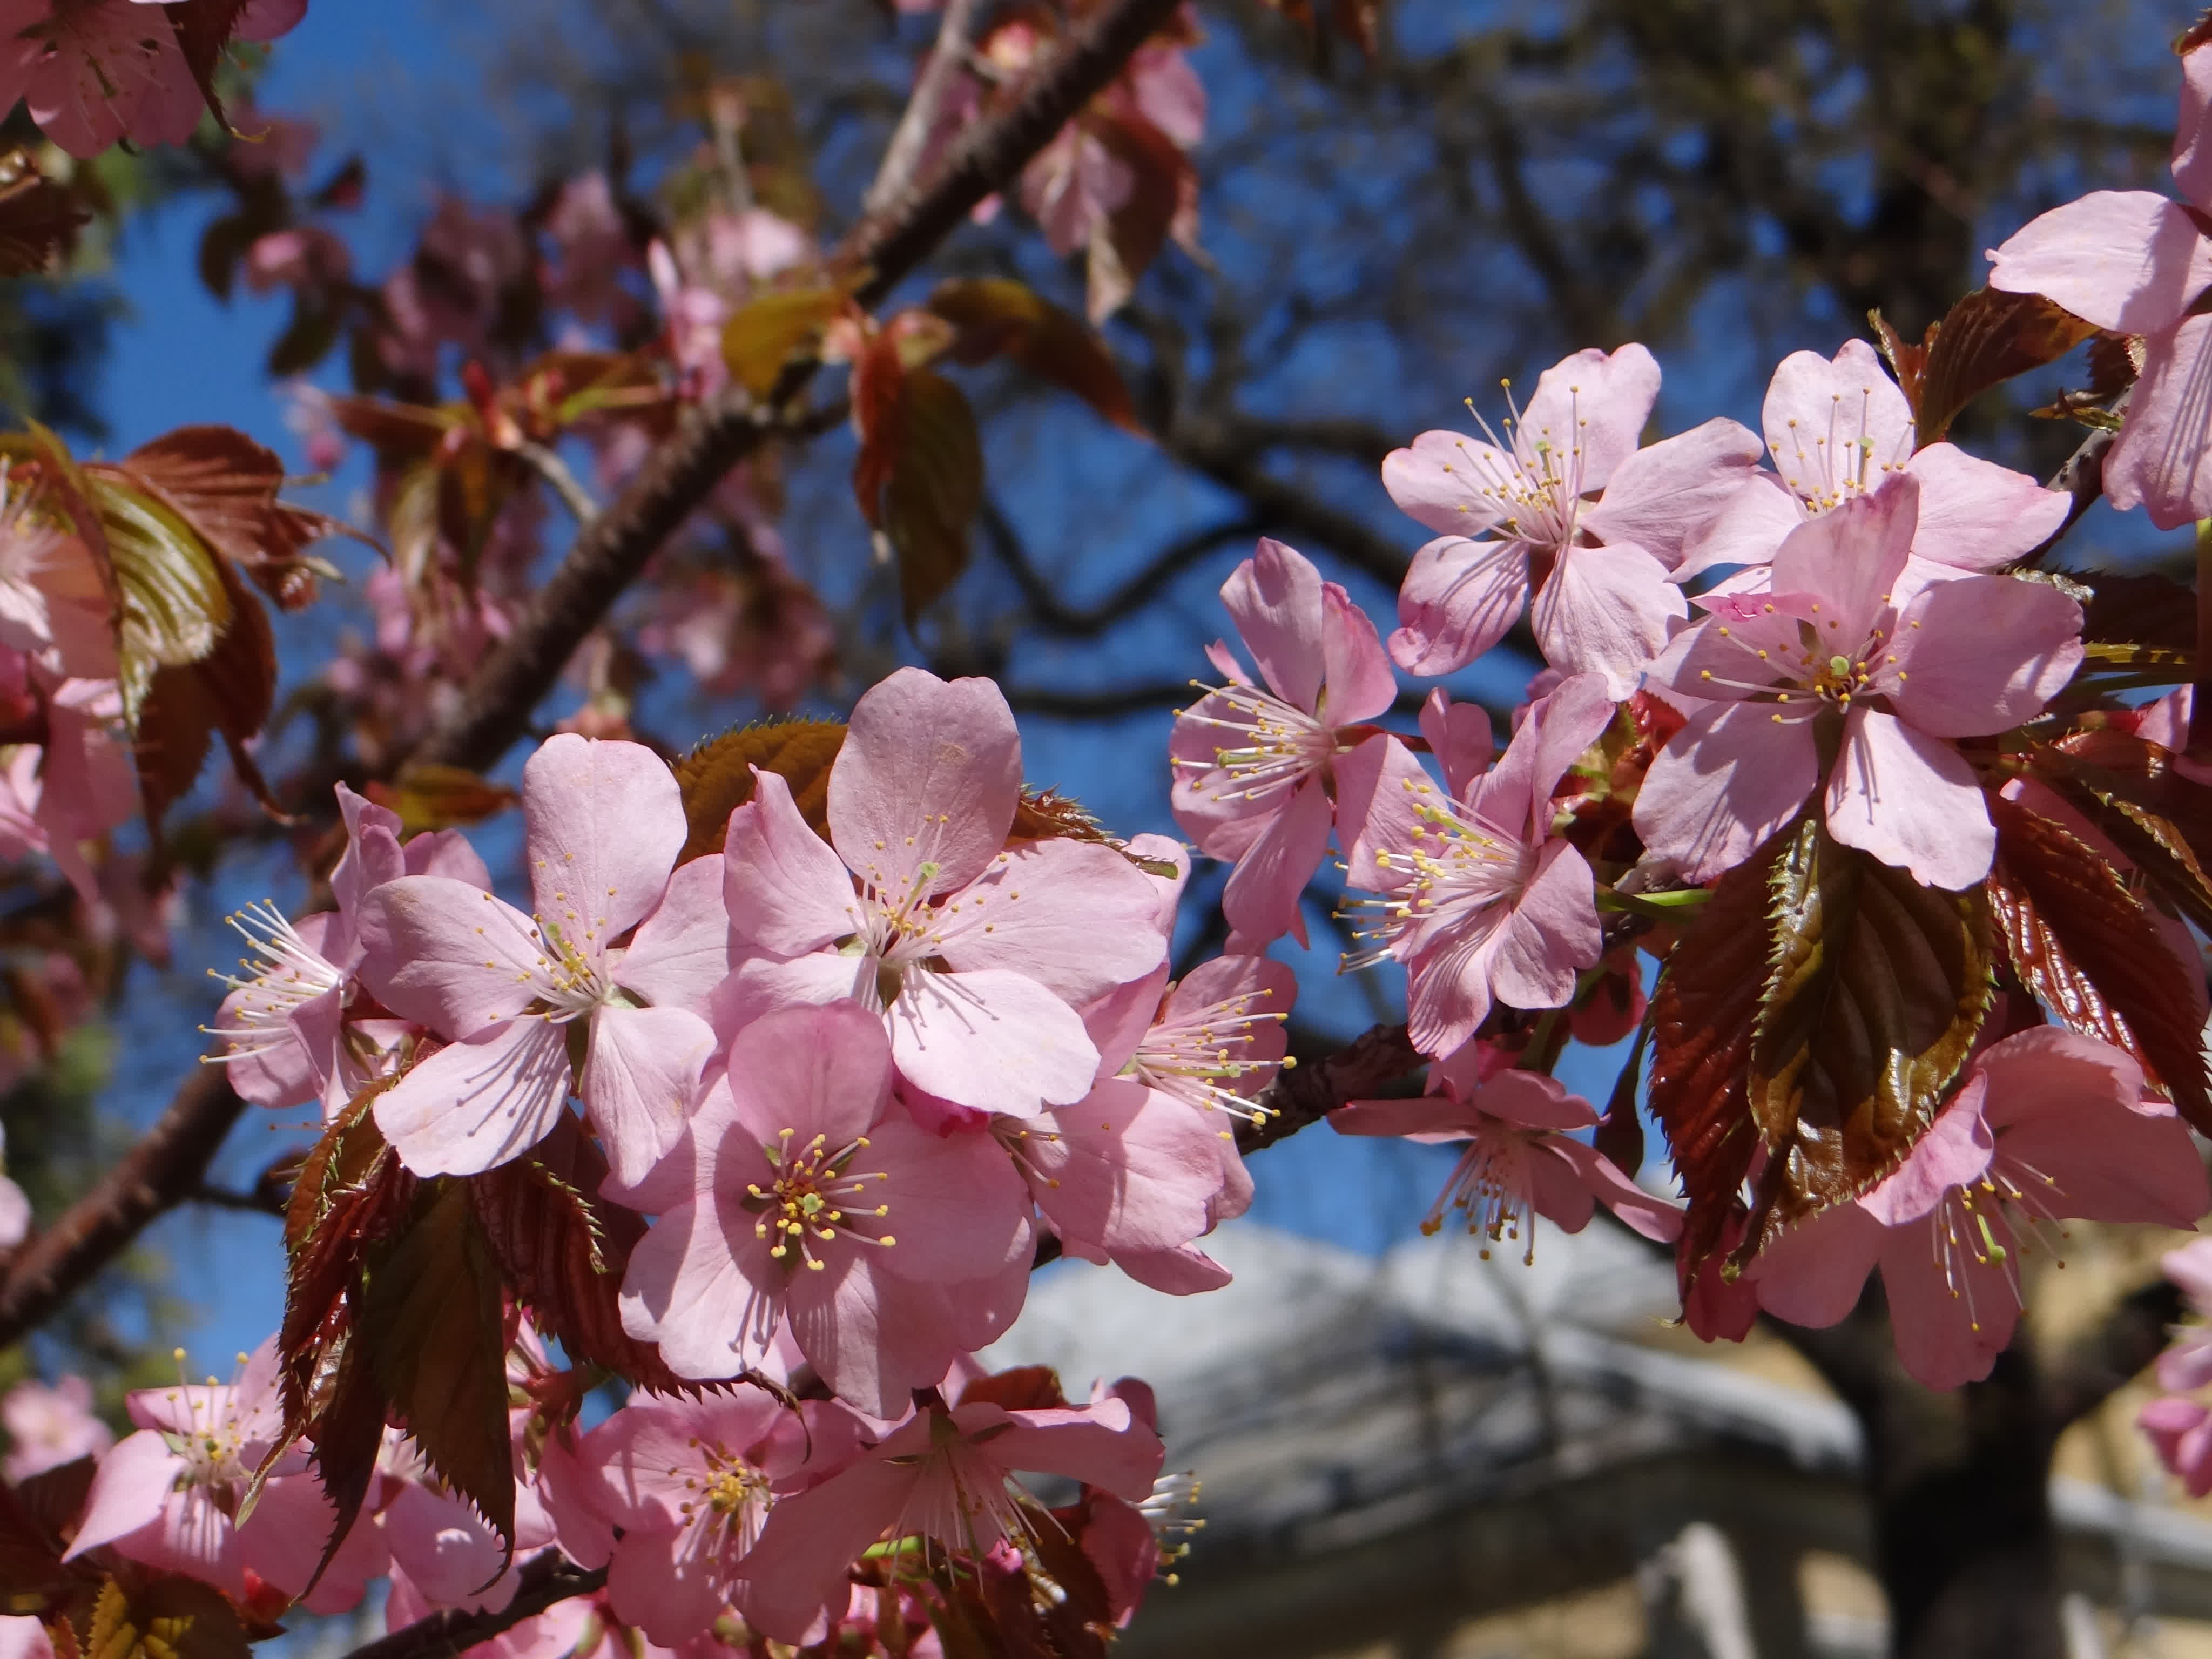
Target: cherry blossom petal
784, 889
994, 1041
1357, 681
1459, 599
605, 824
1262, 900
1077, 917
1275, 597
1911, 801
2128, 260
1551, 934
1728, 779
447, 955
1745, 530
1447, 990
1661, 494
1125, 1168
128, 1489
1606, 610
1835, 426
1459, 737
681, 951
1440, 480
874, 1338
480, 1102
1378, 785
1813, 1274
1516, 792
1186, 1272
639, 1075
1097, 1445
1591, 408
1642, 1212
2163, 458
958, 1209
2192, 131
1950, 1320
929, 773
1849, 559
1554, 1183
685, 1291
1976, 515
1980, 654
284, 1540
1955, 1152
810, 1537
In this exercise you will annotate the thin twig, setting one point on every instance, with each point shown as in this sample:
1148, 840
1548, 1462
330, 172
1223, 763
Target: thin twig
2082, 477
926, 108
550, 467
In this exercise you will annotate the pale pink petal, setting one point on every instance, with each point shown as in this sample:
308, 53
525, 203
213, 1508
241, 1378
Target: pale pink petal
812, 1536
446, 852
929, 773
266, 20
1591, 409
1605, 610
1813, 1274
1263, 899
1459, 599
685, 1291
2192, 131
1911, 801
2190, 1267
480, 1102
639, 1075
1665, 493
785, 892
1077, 917
1443, 480
1117, 1022
1953, 1152
1459, 737
873, 1338
668, 1593
1745, 529
1275, 597
1722, 785
1976, 515
1533, 1100
1223, 819
1448, 985
827, 1068
128, 1490
1516, 792
605, 822
2123, 259
991, 1040
1427, 1120
1951, 1319
1187, 1272
372, 855
447, 955
14, 1214
1378, 785
1835, 426
1980, 654
2160, 461
1125, 1168
1850, 558
958, 1206
681, 953
759, 985
1357, 680
1552, 933
281, 1074
1098, 1445
284, 1540
1642, 1212
2179, 1428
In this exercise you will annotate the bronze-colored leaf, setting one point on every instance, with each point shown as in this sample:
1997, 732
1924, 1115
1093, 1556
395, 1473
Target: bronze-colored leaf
716, 778
1985, 339
2091, 953
1701, 1018
203, 29
229, 691
2127, 786
1023, 1388
1875, 988
997, 316
765, 333
428, 795
935, 488
38, 218
432, 1324
226, 486
32, 1576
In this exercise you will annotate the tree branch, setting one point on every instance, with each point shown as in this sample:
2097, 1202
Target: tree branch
2099, 1364
1050, 614
446, 1635
903, 155
1303, 1095
2082, 477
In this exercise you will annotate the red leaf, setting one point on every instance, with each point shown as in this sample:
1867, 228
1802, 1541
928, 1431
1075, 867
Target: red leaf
1985, 339
996, 315
226, 486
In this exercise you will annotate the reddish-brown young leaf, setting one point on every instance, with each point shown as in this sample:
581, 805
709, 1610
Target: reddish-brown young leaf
1876, 988
1164, 185
203, 29
54, 1498
879, 411
38, 218
997, 316
434, 1327
935, 488
1701, 1015
2089, 949
1985, 339
226, 486
32, 1576
430, 796
564, 1253
1022, 1388
229, 691
1907, 361
397, 432
2127, 786
716, 777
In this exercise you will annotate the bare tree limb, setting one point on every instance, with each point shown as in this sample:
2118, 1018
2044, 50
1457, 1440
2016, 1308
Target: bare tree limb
939, 75
446, 1635
2100, 1363
2082, 477
1049, 613
714, 436
1097, 705
1306, 1094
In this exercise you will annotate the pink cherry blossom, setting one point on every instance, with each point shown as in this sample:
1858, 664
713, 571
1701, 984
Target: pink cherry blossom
948, 1475
1254, 768
1565, 507
1521, 1162
2046, 1125
1837, 427
2139, 263
168, 1495
1478, 898
95, 71
975, 955
1844, 657
53, 605
48, 1426
801, 1189
689, 1482
605, 824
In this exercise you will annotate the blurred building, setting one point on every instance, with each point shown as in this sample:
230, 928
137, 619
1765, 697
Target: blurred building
1437, 1456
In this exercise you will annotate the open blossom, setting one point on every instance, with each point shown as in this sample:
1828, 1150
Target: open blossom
1521, 1162
2178, 1426
1255, 764
801, 1190
168, 1496
689, 1482
975, 955
1479, 899
48, 1426
948, 1475
1848, 655
2138, 262
2047, 1125
1563, 506
1837, 427
603, 825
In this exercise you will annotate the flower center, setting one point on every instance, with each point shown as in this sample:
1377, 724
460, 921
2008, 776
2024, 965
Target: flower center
1816, 668
283, 972
1459, 869
727, 1496
815, 1199
1267, 745
1490, 1186
1205, 1056
1840, 463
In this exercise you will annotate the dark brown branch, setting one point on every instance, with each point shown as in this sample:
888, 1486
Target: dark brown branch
2099, 1364
1306, 1094
939, 75
713, 437
2082, 477
1097, 705
446, 1635
168, 1166
1049, 613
